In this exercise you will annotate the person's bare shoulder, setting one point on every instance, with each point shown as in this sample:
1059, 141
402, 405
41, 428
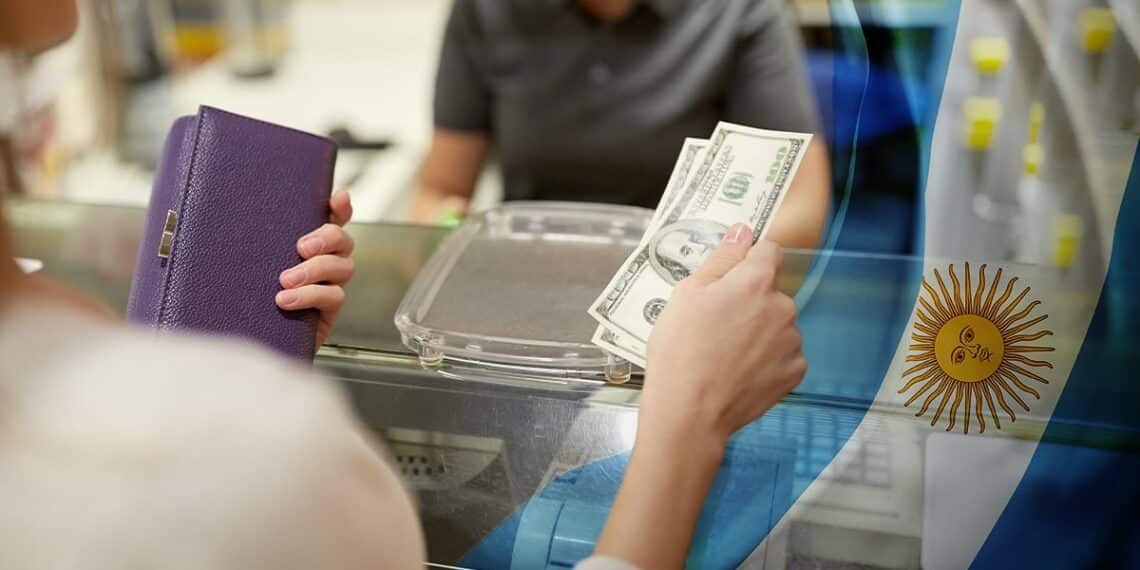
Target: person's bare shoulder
190, 384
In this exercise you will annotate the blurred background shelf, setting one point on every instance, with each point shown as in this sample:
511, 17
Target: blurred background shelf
1128, 18
886, 13
1106, 154
367, 66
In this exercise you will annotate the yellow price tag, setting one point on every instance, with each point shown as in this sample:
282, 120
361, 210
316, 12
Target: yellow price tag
989, 54
1097, 27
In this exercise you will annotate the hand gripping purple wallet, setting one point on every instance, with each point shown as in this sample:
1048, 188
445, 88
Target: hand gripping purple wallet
231, 197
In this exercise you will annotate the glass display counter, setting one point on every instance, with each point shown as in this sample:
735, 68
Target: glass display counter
848, 472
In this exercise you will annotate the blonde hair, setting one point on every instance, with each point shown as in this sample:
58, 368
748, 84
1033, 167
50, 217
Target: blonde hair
8, 269
4, 185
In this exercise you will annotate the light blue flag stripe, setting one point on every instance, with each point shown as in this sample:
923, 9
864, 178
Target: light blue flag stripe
1077, 504
853, 311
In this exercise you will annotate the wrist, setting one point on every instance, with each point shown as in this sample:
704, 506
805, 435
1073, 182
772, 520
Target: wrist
673, 465
680, 436
683, 417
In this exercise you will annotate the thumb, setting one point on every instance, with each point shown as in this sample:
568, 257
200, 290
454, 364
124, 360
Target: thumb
731, 251
340, 207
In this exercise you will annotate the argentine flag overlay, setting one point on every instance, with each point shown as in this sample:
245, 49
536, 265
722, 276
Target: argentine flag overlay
972, 400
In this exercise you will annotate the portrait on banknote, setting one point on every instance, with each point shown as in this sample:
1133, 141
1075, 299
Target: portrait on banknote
680, 248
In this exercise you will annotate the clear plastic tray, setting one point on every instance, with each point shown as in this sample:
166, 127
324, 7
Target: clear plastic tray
504, 297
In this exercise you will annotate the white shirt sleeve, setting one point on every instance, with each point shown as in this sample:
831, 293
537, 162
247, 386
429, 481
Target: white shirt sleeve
329, 498
184, 453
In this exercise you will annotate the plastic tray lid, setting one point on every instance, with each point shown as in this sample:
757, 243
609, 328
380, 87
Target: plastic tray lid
504, 297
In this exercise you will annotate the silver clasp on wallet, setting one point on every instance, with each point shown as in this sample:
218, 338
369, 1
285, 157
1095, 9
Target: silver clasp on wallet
167, 234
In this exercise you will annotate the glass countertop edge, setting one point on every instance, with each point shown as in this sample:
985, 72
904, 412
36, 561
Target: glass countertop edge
1060, 431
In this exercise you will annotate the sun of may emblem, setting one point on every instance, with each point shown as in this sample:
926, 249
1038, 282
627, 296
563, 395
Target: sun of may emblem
971, 352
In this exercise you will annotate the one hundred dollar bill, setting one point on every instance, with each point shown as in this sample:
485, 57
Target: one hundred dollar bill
743, 177
692, 151
613, 343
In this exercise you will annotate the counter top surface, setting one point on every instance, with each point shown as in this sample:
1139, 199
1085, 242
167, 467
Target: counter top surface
510, 471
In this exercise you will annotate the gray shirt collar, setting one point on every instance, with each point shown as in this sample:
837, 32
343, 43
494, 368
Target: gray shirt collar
666, 8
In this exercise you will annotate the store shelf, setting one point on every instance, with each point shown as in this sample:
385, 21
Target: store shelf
1127, 13
1106, 155
888, 13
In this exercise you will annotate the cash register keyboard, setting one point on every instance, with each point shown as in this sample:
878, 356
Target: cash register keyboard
820, 436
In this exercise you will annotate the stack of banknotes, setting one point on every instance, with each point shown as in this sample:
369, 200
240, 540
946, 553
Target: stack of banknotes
740, 174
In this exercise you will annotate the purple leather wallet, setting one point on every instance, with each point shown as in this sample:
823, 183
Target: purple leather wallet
231, 197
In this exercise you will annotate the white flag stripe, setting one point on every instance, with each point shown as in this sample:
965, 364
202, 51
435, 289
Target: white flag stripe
949, 524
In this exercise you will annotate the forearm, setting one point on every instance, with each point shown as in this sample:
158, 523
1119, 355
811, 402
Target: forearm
39, 286
723, 351
434, 188
450, 170
804, 211
656, 510
431, 200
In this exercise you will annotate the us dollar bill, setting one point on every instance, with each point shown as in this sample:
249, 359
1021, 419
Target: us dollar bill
743, 176
692, 151
613, 343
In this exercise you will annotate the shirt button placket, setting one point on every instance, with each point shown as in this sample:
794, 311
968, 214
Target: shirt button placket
600, 73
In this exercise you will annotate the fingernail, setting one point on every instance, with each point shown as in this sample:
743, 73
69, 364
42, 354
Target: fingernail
736, 234
312, 245
286, 298
293, 277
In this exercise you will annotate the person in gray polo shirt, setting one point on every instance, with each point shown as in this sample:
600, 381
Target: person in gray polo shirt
590, 100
